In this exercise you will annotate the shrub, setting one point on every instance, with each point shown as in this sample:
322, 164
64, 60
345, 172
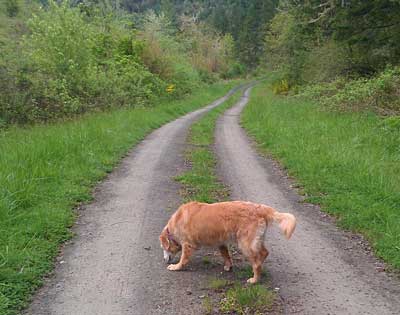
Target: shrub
281, 87
165, 56
209, 51
325, 62
12, 7
235, 70
74, 60
380, 93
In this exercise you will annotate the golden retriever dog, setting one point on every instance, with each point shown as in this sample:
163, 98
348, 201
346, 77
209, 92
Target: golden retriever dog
197, 224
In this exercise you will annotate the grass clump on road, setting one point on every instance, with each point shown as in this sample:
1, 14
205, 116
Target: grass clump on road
253, 299
46, 170
218, 284
246, 272
237, 298
349, 163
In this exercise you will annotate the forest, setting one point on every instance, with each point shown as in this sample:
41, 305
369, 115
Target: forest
64, 58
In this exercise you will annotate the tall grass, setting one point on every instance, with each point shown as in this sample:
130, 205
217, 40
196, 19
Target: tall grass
349, 163
46, 170
200, 181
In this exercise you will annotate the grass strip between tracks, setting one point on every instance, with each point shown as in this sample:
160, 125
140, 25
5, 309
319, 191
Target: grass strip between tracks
200, 183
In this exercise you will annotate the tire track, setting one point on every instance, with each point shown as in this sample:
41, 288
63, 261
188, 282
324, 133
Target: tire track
321, 270
114, 264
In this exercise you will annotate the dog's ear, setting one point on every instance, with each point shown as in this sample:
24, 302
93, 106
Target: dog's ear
164, 239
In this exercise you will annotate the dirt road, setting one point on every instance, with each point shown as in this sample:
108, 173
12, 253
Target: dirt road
114, 264
321, 270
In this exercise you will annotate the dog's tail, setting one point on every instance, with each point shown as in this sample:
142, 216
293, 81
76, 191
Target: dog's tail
286, 221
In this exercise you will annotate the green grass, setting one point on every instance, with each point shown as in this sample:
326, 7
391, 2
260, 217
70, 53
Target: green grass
46, 170
349, 163
252, 299
246, 272
218, 284
200, 182
206, 260
207, 306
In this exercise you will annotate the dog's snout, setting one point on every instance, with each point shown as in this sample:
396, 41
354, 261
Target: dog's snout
167, 260
167, 256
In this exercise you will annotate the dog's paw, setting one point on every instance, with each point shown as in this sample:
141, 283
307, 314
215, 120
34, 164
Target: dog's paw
228, 267
252, 280
174, 267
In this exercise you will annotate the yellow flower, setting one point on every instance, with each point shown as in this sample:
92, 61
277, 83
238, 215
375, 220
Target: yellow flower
170, 88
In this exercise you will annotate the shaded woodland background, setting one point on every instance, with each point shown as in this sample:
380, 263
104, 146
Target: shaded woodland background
64, 58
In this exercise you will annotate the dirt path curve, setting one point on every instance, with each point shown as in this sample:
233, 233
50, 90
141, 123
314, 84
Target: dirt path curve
321, 270
114, 264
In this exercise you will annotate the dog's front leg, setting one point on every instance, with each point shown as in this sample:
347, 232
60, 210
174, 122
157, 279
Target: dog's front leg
187, 251
227, 259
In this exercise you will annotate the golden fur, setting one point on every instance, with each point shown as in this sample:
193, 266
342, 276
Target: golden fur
198, 224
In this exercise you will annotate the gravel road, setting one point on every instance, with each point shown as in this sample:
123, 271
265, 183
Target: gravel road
321, 270
114, 264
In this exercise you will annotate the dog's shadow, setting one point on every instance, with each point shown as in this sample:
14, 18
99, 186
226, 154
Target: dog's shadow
204, 278
208, 263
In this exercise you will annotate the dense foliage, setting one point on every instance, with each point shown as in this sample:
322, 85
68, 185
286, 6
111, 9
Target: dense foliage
380, 93
244, 20
69, 57
309, 42
314, 40
318, 42
104, 53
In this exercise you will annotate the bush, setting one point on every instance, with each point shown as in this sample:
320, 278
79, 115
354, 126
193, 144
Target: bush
324, 63
73, 61
12, 7
235, 70
64, 60
380, 93
281, 87
165, 56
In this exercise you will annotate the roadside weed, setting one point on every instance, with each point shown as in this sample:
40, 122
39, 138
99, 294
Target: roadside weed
218, 283
252, 299
207, 305
206, 260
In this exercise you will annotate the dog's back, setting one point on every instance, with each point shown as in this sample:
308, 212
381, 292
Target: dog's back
210, 224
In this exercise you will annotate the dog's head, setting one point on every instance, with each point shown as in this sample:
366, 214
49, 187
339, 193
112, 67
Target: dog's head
170, 246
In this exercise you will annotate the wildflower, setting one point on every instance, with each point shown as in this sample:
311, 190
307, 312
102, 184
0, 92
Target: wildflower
170, 88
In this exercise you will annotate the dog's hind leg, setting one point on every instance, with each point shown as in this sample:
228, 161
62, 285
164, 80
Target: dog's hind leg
257, 259
252, 246
227, 259
187, 251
